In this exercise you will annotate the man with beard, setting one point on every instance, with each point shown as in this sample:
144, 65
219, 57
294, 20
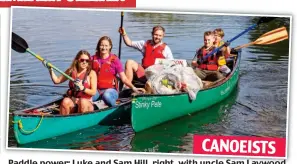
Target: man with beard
150, 49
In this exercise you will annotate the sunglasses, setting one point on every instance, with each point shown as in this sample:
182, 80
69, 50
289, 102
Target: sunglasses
84, 60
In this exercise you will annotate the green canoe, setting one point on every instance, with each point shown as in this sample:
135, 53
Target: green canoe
74, 140
44, 121
176, 135
150, 110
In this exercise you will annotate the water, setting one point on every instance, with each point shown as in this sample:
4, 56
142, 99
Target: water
257, 107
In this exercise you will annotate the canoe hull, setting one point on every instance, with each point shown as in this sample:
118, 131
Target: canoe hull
37, 127
151, 110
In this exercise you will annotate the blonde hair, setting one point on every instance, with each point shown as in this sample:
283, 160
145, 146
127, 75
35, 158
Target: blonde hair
220, 32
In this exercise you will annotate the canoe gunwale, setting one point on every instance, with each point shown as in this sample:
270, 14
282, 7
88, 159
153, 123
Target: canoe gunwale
19, 112
202, 90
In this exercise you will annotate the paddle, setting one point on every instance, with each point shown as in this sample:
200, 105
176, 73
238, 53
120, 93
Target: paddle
261, 20
121, 85
270, 37
120, 44
20, 45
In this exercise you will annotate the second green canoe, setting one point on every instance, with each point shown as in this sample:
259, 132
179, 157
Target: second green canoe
150, 110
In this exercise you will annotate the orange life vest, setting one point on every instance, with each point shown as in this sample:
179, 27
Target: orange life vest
152, 53
212, 61
72, 92
105, 78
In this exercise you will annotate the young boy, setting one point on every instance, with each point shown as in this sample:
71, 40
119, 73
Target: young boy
208, 68
218, 41
225, 51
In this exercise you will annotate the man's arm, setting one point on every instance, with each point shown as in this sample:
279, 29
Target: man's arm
135, 44
126, 39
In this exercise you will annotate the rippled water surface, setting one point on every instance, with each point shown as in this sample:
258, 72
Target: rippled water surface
257, 107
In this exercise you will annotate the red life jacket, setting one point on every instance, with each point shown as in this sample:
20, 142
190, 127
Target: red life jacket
79, 94
151, 53
105, 78
212, 61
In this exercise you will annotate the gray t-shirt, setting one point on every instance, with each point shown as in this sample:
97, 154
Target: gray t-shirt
139, 45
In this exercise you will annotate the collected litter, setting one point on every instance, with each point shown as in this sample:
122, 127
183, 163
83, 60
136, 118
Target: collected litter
171, 79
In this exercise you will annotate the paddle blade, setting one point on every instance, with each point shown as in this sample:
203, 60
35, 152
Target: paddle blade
265, 20
18, 43
273, 36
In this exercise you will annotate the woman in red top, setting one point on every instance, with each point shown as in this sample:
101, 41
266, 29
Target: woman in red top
79, 96
107, 67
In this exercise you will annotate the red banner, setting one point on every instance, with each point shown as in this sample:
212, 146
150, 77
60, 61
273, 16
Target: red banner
240, 146
70, 3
